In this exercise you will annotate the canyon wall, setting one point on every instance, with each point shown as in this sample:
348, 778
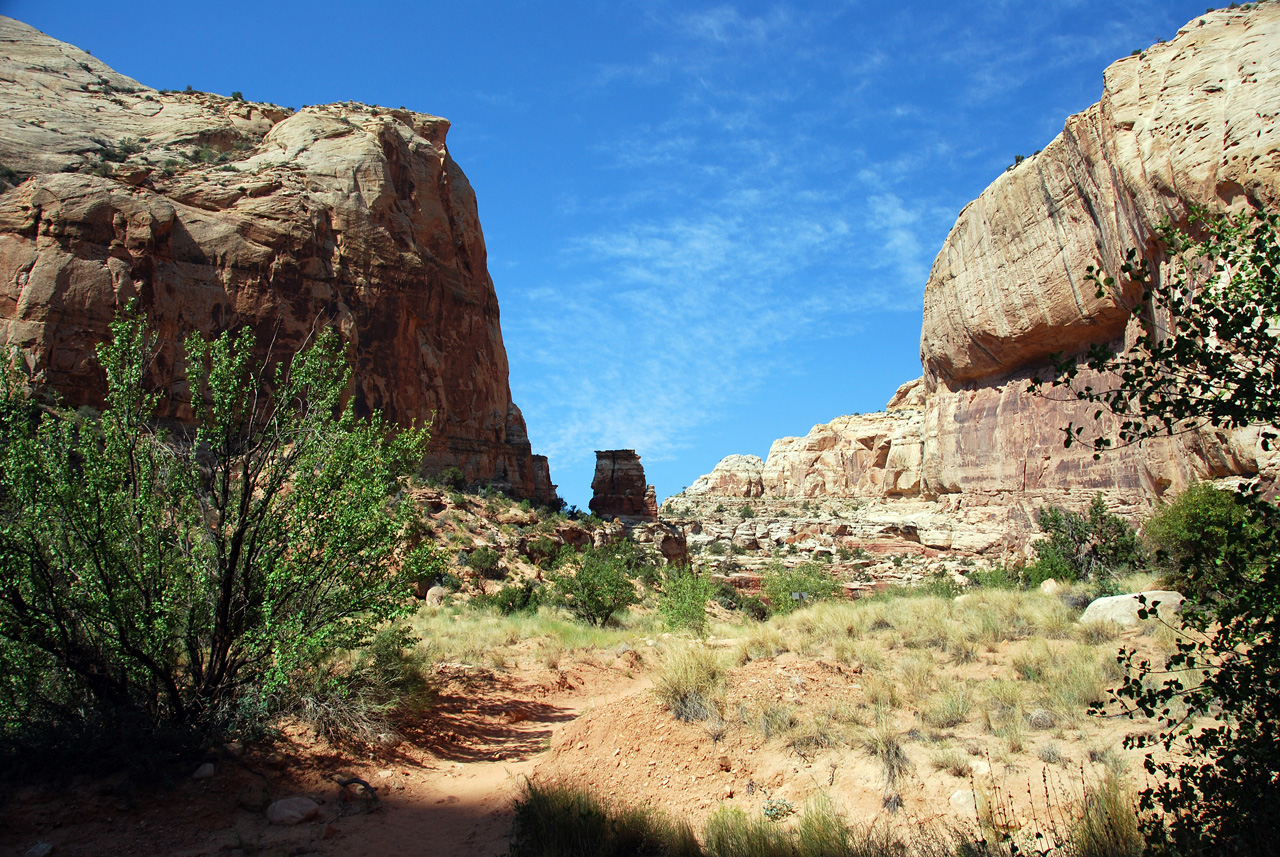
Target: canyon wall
215, 213
965, 455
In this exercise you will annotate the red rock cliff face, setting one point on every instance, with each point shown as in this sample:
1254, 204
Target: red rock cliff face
216, 213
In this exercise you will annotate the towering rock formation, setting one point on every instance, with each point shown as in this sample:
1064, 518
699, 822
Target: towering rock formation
619, 490
1188, 123
216, 213
964, 455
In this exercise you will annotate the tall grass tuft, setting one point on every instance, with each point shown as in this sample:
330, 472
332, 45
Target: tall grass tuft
554, 820
687, 680
731, 833
1108, 826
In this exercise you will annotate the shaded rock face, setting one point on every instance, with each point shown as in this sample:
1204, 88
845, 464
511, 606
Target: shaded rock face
619, 489
215, 213
963, 457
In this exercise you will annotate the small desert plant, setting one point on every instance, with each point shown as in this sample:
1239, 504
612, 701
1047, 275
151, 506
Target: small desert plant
1050, 754
762, 641
884, 745
949, 708
731, 833
486, 562
952, 760
555, 820
1108, 826
776, 720
687, 681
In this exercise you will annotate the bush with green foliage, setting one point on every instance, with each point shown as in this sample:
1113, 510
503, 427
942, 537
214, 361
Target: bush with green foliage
790, 588
1095, 546
486, 562
515, 598
730, 598
184, 582
597, 583
452, 477
683, 603
1191, 535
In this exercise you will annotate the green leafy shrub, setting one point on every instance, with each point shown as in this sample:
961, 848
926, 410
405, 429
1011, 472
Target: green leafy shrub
999, 577
684, 601
598, 582
1094, 546
516, 598
179, 584
790, 588
487, 563
1191, 535
452, 477
730, 598
746, 512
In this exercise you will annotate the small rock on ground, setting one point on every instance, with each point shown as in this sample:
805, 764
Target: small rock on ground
292, 810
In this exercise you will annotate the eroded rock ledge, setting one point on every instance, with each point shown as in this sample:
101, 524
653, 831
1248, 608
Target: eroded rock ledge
215, 212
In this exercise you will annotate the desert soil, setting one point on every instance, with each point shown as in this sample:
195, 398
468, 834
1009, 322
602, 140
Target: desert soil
591, 720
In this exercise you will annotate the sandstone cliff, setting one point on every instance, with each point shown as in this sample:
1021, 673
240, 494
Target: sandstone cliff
963, 457
216, 213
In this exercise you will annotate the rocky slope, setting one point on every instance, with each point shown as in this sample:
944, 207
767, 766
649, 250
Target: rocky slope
215, 213
963, 457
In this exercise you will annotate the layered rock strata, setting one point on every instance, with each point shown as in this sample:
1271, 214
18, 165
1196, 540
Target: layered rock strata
962, 458
619, 489
215, 213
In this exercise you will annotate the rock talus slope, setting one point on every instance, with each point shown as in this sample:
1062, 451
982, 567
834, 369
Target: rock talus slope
969, 454
215, 213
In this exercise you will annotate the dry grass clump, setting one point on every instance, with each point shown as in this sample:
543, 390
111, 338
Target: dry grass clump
953, 760
1108, 825
856, 653
1002, 710
1097, 633
820, 732
917, 673
762, 641
687, 680
775, 720
883, 744
950, 707
882, 693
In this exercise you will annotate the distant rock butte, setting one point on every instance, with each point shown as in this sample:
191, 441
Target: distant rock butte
619, 489
216, 213
963, 456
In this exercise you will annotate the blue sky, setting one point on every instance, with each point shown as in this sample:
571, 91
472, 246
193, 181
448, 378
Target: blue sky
709, 224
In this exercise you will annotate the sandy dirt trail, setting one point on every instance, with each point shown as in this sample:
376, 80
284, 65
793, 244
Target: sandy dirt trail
445, 790
482, 742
